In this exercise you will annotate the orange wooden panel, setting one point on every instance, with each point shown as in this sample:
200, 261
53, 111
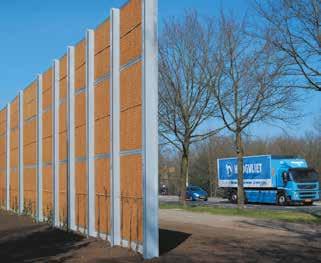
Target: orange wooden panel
102, 36
102, 195
30, 132
14, 158
2, 187
102, 135
30, 110
3, 128
131, 46
63, 117
3, 145
63, 67
14, 190
30, 93
131, 197
130, 16
30, 154
47, 124
80, 141
102, 100
14, 120
3, 161
14, 113
131, 175
14, 106
30, 190
3, 115
63, 193
102, 120
63, 88
47, 98
47, 188
3, 121
81, 194
14, 139
80, 67
80, 109
63, 150
47, 150
80, 77
132, 222
131, 129
47, 80
80, 53
131, 86
102, 63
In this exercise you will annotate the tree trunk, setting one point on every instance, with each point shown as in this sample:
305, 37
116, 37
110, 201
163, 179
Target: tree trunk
240, 181
184, 177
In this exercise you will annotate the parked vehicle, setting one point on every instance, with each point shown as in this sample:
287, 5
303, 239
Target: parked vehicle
196, 193
163, 190
271, 179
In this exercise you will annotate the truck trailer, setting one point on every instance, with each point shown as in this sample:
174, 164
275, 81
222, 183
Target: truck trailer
270, 179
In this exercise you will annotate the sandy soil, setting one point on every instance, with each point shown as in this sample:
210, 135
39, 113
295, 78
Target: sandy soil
184, 237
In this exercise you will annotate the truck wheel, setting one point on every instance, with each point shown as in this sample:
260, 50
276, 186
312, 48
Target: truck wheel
233, 197
282, 200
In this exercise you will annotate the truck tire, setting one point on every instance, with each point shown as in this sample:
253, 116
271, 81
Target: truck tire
282, 199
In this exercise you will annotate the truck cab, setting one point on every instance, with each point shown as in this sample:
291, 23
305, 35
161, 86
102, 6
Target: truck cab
299, 185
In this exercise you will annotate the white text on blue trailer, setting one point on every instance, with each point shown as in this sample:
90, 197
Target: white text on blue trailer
270, 179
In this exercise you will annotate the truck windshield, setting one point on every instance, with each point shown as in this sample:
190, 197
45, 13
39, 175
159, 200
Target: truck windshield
304, 176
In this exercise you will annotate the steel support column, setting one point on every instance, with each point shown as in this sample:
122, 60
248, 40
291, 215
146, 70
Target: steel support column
115, 126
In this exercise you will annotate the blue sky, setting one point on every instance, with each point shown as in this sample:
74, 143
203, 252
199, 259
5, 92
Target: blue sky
35, 32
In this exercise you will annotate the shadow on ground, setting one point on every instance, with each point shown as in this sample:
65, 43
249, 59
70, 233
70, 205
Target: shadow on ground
39, 243
169, 240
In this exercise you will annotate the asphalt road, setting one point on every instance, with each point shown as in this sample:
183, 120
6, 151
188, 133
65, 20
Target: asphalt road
220, 202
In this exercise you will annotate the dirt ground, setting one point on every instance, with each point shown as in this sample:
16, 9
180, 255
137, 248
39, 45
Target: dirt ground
184, 237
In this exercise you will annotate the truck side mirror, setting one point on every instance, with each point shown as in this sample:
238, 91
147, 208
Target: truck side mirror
285, 177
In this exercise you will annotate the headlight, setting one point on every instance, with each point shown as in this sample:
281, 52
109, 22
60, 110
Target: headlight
196, 194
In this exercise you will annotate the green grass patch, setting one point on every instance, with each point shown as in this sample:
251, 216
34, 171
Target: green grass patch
288, 216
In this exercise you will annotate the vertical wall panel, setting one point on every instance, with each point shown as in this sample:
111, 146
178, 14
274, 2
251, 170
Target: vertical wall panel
131, 122
55, 137
3, 161
102, 129
30, 148
39, 149
14, 154
63, 146
71, 199
21, 167
80, 136
47, 127
81, 195
102, 201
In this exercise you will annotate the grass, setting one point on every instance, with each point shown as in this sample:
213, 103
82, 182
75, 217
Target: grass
287, 216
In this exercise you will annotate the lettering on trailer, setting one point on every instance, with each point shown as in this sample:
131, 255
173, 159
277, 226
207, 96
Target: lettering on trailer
247, 168
256, 172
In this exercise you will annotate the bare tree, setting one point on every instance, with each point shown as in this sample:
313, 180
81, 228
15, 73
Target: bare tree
317, 123
247, 85
294, 28
184, 98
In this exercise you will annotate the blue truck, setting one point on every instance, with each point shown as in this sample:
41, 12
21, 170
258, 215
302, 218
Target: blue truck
270, 179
